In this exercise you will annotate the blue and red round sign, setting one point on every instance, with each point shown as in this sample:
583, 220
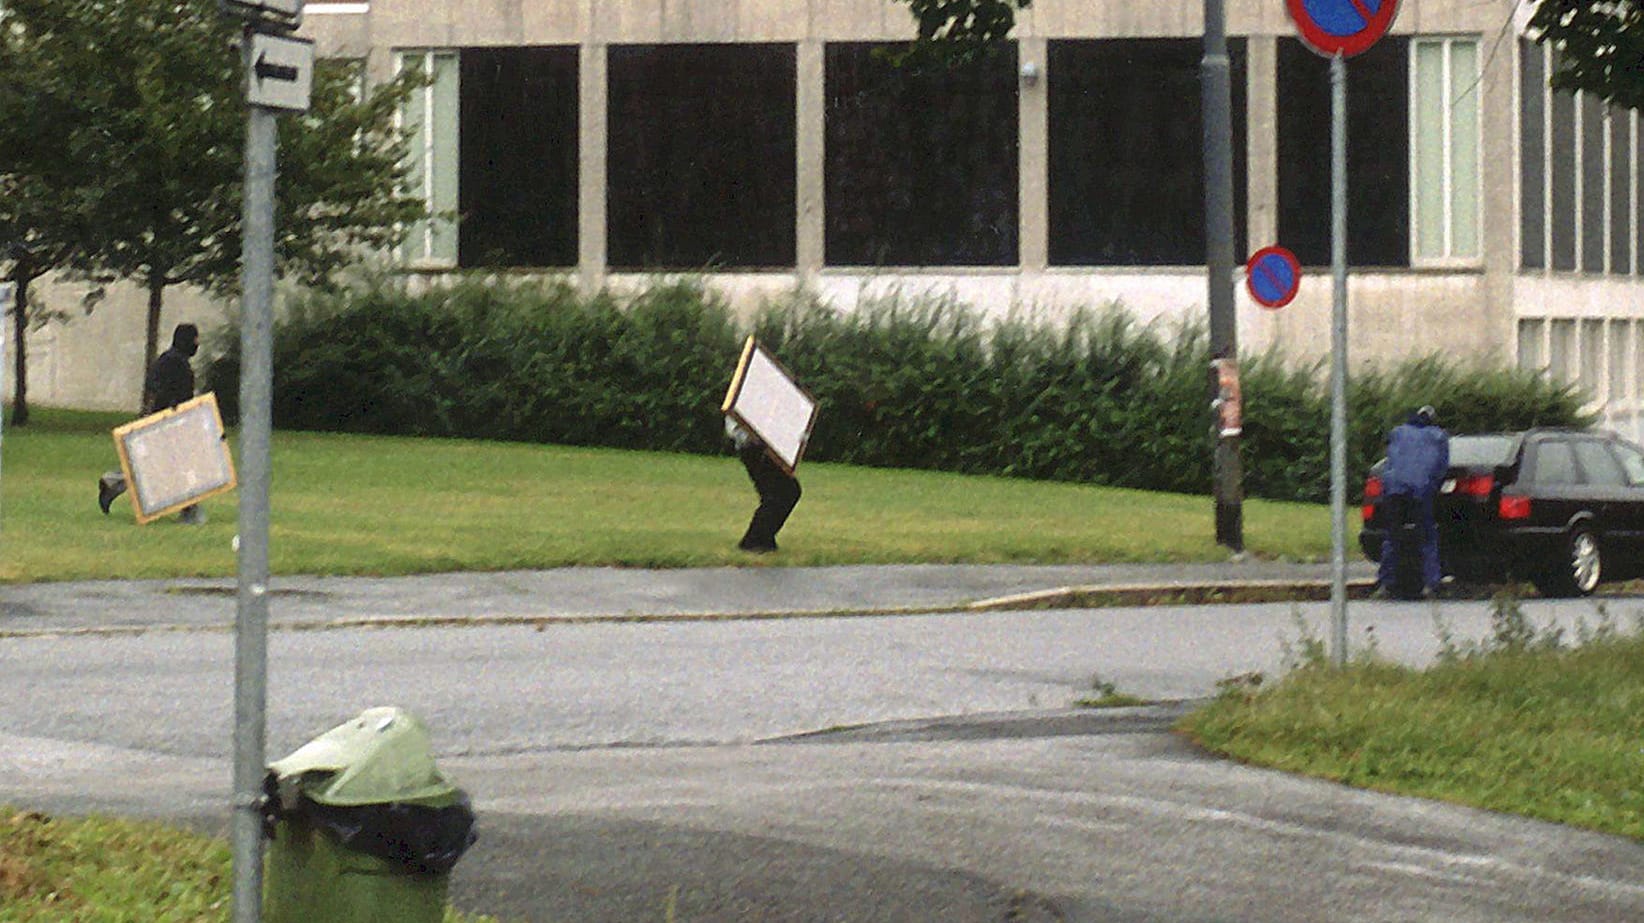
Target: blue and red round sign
1344, 27
1273, 276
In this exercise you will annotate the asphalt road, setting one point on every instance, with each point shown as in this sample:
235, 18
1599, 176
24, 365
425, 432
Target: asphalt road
653, 771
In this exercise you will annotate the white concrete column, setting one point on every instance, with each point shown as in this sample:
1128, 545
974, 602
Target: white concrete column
1033, 157
1261, 214
1498, 179
592, 127
1262, 141
810, 116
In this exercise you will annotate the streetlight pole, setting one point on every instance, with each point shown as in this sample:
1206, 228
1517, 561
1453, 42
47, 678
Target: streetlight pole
1218, 216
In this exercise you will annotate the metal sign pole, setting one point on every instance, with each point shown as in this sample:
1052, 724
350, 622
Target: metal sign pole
251, 622
7, 304
1338, 360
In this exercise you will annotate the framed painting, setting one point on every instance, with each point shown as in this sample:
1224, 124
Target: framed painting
765, 399
175, 458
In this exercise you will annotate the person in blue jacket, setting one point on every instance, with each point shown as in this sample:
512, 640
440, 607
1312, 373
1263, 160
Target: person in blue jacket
1418, 455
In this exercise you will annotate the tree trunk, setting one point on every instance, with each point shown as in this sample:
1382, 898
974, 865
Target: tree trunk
156, 292
20, 351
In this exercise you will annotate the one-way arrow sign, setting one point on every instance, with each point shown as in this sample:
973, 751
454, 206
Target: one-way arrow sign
263, 70
282, 72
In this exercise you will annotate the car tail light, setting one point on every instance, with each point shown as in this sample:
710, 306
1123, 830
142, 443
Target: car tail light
1514, 507
1372, 490
1475, 485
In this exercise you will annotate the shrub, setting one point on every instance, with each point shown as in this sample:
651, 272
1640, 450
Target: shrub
901, 382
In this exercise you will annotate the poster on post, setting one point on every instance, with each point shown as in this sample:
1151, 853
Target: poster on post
764, 399
175, 458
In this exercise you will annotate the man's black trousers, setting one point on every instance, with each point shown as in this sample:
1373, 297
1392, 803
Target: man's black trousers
778, 492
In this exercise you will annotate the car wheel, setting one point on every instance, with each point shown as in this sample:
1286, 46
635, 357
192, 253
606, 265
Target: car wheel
1580, 571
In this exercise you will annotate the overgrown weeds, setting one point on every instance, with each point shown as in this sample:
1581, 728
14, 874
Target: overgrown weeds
1530, 719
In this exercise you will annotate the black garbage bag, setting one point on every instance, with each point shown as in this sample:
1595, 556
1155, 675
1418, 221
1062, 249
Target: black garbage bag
421, 840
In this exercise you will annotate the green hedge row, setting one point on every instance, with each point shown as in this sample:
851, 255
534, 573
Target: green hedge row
901, 382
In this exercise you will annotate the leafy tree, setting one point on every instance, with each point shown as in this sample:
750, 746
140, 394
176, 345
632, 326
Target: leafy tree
27, 251
961, 30
148, 121
39, 211
1600, 47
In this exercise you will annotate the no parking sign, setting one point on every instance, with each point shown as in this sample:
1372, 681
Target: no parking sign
1273, 276
1344, 27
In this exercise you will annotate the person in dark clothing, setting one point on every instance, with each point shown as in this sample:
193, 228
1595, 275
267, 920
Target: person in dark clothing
170, 381
1418, 455
778, 490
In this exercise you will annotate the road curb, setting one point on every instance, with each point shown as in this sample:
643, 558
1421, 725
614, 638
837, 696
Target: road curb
1068, 597
1182, 594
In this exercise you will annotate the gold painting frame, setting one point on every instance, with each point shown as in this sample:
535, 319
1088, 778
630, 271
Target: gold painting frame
175, 458
765, 399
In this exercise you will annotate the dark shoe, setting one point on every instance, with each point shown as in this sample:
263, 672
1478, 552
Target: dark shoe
755, 548
105, 495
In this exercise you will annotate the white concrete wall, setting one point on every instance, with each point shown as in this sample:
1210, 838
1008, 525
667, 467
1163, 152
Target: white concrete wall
96, 361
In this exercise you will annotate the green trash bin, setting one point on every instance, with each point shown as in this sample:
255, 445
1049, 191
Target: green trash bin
364, 826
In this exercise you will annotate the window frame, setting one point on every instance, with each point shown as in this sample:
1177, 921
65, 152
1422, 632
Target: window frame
421, 254
1448, 258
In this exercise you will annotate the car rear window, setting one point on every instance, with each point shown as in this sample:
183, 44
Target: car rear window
1482, 451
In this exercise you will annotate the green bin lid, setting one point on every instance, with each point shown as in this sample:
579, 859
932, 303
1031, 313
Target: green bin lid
380, 757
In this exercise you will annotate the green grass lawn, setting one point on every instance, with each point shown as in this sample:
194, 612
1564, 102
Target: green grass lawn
1556, 734
102, 870
379, 505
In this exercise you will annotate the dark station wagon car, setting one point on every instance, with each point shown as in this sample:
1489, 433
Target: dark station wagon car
1561, 508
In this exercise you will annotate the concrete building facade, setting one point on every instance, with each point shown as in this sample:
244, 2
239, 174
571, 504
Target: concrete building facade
768, 145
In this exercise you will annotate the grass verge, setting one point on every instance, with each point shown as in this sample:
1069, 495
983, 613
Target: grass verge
344, 504
1523, 724
96, 869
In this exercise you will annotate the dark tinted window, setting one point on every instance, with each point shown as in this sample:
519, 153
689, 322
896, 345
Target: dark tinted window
1378, 154
517, 170
1554, 464
1127, 154
1532, 161
1592, 183
1621, 191
1563, 172
701, 157
1480, 451
1598, 464
1637, 192
921, 162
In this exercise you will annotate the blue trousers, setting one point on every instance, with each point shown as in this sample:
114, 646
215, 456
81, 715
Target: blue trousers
1393, 509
